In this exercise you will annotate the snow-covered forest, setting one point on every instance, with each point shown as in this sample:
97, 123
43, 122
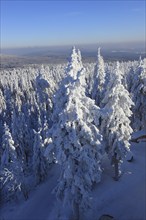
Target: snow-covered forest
70, 116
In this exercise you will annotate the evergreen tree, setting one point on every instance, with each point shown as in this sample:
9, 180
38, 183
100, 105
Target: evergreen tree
75, 63
2, 102
39, 161
9, 151
71, 72
42, 95
138, 91
129, 79
77, 142
11, 171
23, 136
115, 124
99, 80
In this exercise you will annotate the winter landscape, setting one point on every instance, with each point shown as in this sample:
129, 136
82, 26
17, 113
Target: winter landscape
73, 133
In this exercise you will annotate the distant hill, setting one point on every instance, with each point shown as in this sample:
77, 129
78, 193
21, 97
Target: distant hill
17, 57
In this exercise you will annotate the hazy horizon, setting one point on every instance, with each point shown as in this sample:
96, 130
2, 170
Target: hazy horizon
17, 57
129, 46
105, 44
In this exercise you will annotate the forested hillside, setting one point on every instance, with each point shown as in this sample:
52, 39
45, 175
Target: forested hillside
71, 115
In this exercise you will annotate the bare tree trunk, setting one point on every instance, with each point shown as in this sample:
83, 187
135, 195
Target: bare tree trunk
25, 193
116, 165
115, 162
76, 211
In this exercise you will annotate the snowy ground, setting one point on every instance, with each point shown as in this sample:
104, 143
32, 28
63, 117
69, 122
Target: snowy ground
124, 199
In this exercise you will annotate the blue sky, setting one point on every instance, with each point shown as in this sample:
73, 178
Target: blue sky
40, 23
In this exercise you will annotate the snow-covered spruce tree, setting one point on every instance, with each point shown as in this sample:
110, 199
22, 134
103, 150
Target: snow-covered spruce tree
42, 97
59, 99
18, 122
22, 133
99, 80
138, 92
71, 71
75, 63
39, 161
10, 171
27, 136
77, 142
129, 78
2, 120
115, 124
9, 151
2, 102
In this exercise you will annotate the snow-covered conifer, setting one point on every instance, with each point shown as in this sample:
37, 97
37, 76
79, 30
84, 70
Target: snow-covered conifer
39, 161
71, 72
129, 78
23, 136
9, 151
43, 99
11, 171
138, 92
2, 102
99, 80
77, 144
115, 124
75, 63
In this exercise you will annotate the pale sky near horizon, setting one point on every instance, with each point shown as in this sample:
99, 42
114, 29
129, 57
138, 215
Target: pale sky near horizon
40, 23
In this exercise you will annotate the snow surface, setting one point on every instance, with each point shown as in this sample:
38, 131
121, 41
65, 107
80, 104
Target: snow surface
124, 199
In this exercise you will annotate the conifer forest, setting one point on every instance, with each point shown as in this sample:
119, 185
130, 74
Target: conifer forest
70, 116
